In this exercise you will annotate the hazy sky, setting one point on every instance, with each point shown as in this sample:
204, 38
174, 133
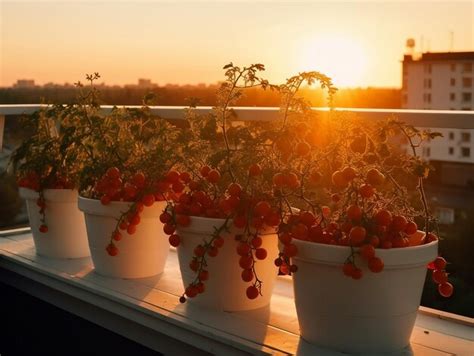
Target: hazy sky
358, 43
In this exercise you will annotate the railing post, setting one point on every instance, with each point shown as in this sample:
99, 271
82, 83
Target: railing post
2, 126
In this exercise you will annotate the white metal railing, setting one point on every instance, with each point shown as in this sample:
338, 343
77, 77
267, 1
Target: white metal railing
420, 118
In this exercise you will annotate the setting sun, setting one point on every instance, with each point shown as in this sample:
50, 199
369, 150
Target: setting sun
341, 58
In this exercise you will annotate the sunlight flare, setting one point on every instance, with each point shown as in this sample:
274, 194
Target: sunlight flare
341, 57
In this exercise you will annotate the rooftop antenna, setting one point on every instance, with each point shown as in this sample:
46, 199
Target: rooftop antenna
410, 46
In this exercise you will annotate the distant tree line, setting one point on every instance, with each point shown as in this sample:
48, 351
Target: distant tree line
199, 95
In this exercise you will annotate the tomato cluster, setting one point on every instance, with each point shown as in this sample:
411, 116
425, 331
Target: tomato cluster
30, 181
34, 181
440, 277
360, 226
137, 189
249, 214
362, 223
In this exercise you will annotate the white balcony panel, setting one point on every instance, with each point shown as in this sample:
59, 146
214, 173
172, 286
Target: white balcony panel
148, 311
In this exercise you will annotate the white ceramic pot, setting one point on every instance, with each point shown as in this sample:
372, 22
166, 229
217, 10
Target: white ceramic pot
375, 314
142, 254
225, 290
66, 236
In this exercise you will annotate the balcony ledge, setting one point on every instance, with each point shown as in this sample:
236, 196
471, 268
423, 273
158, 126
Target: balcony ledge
148, 311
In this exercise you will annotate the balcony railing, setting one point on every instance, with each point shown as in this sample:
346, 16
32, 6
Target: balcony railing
419, 118
422, 118
148, 311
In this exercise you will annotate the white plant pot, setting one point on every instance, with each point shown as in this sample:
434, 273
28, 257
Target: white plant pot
141, 255
225, 290
375, 314
66, 236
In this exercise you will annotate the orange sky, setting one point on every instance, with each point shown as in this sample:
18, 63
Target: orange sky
357, 43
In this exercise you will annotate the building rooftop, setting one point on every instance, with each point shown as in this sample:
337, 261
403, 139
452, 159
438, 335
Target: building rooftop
441, 56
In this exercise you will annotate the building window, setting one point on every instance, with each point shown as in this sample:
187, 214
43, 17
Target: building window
466, 97
451, 135
466, 82
452, 82
426, 151
467, 67
465, 137
465, 152
453, 67
445, 215
427, 68
451, 150
452, 96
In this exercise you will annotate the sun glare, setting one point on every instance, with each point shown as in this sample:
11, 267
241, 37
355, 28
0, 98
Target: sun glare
341, 58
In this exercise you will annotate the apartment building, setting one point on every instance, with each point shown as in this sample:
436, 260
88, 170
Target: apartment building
442, 81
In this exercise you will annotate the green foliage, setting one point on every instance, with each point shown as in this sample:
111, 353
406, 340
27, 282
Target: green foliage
224, 143
73, 145
52, 151
130, 139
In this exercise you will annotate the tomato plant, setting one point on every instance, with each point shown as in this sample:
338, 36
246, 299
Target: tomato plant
130, 158
325, 178
51, 157
230, 173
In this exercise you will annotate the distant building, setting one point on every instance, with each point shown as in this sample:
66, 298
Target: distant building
145, 83
442, 81
142, 83
51, 85
24, 83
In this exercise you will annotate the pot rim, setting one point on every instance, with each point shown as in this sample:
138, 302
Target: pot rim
116, 208
54, 195
201, 224
314, 252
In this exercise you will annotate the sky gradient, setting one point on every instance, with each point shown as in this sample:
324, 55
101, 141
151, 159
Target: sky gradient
357, 43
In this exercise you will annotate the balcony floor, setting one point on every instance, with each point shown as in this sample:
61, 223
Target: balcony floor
148, 311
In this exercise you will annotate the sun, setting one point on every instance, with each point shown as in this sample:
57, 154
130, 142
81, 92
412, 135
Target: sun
340, 57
